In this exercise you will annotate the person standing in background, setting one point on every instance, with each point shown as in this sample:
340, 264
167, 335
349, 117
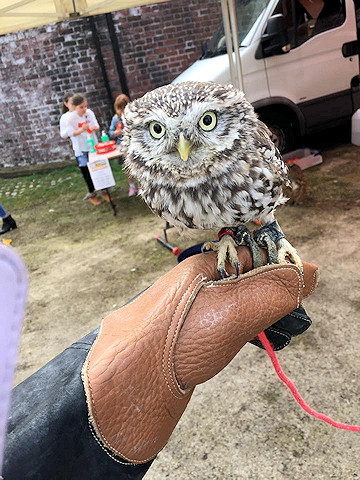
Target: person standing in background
8, 222
81, 124
67, 108
116, 132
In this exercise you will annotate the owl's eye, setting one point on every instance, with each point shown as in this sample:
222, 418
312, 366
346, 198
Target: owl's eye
157, 130
208, 121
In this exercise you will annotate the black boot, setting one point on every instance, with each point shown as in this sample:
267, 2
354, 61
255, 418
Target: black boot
8, 224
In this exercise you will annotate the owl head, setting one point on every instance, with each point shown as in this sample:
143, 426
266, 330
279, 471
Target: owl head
186, 127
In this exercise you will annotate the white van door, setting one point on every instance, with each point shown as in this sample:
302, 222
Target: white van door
316, 74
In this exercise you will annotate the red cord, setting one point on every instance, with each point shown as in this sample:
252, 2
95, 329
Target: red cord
280, 373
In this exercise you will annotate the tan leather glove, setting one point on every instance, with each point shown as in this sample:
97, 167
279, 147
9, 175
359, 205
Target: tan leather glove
150, 354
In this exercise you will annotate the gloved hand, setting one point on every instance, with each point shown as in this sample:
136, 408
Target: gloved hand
150, 354
280, 333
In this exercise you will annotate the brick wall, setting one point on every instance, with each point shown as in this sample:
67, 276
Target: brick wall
161, 41
37, 66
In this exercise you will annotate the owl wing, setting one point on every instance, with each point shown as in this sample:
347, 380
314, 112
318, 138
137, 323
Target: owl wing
270, 154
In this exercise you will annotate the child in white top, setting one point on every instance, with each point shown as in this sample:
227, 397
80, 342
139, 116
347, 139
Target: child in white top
81, 122
67, 108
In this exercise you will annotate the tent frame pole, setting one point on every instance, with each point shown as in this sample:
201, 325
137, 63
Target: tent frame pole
232, 42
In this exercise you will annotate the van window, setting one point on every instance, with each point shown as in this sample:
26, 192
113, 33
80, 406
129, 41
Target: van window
307, 18
247, 12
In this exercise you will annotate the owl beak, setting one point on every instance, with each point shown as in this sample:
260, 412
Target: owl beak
184, 147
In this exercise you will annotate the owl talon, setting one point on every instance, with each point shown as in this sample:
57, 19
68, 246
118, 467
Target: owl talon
237, 268
286, 250
223, 273
209, 246
279, 250
226, 249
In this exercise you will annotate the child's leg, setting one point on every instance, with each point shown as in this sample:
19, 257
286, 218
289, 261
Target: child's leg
87, 178
83, 160
132, 188
92, 193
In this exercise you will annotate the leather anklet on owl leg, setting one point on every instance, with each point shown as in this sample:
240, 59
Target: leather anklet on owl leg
272, 238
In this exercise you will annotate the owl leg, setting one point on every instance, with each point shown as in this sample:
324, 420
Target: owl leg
271, 237
225, 248
243, 237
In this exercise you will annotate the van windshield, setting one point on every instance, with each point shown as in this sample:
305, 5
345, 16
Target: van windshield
247, 12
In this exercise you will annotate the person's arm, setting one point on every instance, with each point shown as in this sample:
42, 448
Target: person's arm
120, 130
189, 323
63, 126
73, 130
80, 130
112, 127
92, 120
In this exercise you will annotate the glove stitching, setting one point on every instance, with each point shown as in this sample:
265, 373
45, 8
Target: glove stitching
92, 417
292, 314
300, 317
280, 333
171, 361
315, 282
92, 431
236, 281
201, 279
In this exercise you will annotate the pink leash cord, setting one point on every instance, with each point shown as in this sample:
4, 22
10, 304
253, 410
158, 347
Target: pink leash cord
280, 373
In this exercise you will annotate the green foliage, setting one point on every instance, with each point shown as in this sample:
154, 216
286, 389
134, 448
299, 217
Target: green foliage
63, 185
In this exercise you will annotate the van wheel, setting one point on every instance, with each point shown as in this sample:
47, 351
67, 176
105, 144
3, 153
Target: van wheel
281, 130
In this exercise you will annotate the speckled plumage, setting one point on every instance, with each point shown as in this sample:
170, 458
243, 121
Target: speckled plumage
233, 174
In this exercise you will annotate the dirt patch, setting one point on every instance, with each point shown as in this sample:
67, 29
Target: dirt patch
83, 263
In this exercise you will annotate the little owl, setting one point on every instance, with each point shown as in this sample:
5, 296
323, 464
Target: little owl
204, 161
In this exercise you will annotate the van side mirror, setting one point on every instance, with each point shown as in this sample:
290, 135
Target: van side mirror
275, 41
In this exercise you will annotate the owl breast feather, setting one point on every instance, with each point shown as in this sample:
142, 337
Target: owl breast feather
212, 204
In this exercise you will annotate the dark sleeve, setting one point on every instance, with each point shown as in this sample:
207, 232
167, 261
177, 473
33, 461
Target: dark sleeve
49, 437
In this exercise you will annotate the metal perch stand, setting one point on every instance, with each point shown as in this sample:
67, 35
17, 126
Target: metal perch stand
165, 242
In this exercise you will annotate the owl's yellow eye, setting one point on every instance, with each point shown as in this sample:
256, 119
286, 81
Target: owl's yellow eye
208, 121
157, 129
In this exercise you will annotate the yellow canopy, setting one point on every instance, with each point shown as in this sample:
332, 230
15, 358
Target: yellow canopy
18, 15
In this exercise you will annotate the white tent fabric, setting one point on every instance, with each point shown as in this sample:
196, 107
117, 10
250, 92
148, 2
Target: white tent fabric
18, 15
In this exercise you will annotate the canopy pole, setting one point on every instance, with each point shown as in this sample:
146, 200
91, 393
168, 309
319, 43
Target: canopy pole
235, 39
117, 54
229, 45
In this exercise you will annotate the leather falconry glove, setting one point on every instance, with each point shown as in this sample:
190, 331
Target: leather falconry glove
149, 355
280, 333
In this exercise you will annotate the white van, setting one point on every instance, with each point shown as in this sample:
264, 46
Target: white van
300, 63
